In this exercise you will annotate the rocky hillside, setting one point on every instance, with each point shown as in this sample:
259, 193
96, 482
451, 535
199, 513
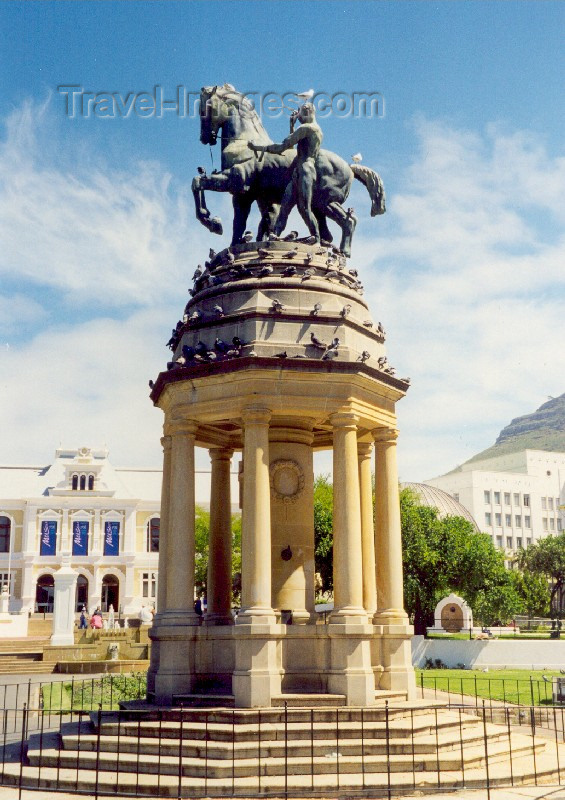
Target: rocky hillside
542, 430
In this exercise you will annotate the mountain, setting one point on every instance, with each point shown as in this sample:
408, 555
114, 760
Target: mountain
542, 430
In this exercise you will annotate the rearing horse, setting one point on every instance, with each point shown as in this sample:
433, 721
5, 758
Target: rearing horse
263, 180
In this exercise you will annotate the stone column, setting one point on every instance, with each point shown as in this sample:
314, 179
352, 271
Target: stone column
347, 566
388, 533
163, 524
351, 673
364, 450
391, 621
180, 549
257, 674
219, 551
256, 520
64, 606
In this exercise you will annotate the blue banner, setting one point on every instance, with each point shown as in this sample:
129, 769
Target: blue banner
111, 538
80, 538
48, 546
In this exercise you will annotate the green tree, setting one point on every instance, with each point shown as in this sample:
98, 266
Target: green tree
534, 592
323, 530
202, 536
447, 555
546, 559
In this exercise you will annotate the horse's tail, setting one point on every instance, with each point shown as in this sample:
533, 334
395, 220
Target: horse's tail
372, 181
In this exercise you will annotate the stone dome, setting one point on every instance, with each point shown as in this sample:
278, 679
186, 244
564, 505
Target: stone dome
446, 505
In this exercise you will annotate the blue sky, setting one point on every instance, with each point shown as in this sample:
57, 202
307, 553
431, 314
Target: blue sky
98, 239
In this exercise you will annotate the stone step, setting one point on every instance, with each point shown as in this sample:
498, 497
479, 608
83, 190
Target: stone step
78, 779
198, 748
474, 756
248, 732
26, 666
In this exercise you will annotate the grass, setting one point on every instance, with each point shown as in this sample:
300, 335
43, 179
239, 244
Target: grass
88, 695
521, 687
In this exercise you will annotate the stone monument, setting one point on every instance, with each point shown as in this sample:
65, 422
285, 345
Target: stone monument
277, 355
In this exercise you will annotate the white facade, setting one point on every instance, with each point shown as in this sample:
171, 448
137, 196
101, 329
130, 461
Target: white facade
517, 498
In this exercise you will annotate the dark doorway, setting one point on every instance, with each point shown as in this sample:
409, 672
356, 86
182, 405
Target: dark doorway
81, 593
44, 594
110, 592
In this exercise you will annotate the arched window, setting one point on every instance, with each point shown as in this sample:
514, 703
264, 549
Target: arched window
153, 529
5, 531
82, 483
74, 484
110, 592
81, 593
44, 593
91, 482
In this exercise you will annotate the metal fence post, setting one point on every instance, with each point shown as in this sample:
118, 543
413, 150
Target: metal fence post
98, 732
387, 734
22, 745
486, 749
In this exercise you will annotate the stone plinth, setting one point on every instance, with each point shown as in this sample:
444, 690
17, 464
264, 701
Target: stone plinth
64, 606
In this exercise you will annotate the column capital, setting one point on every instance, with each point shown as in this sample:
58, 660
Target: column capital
364, 450
181, 427
385, 436
220, 454
344, 419
256, 414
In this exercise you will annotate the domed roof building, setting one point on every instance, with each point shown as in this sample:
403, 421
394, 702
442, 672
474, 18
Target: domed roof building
446, 505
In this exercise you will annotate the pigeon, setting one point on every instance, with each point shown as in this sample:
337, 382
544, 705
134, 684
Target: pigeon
308, 273
263, 252
151, 384
212, 254
219, 311
197, 273
200, 349
273, 237
277, 305
211, 356
382, 361
306, 96
353, 272
334, 345
181, 361
299, 355
264, 272
357, 158
188, 352
368, 323
199, 358
291, 253
217, 281
201, 171
194, 316
316, 342
381, 330
546, 679
220, 346
316, 310
345, 311
291, 237
229, 257
390, 370
284, 354
365, 356
332, 273
309, 258
247, 236
330, 353
237, 341
235, 353
290, 271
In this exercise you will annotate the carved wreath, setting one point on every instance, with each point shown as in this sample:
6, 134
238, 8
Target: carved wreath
287, 480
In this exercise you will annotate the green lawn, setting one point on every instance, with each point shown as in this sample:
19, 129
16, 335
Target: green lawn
522, 687
87, 695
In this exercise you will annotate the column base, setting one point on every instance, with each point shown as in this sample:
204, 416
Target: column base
351, 672
391, 616
396, 658
347, 615
218, 619
256, 678
172, 670
256, 615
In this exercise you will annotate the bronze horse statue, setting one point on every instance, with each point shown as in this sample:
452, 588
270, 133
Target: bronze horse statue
263, 179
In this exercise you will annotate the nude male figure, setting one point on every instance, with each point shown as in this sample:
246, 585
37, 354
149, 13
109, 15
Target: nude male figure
308, 139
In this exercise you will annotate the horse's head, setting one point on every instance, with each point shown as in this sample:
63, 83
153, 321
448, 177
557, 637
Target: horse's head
217, 105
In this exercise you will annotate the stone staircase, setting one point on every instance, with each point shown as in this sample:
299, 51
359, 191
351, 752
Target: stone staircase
24, 656
222, 752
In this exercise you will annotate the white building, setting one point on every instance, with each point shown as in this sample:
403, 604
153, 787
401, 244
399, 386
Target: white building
517, 498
